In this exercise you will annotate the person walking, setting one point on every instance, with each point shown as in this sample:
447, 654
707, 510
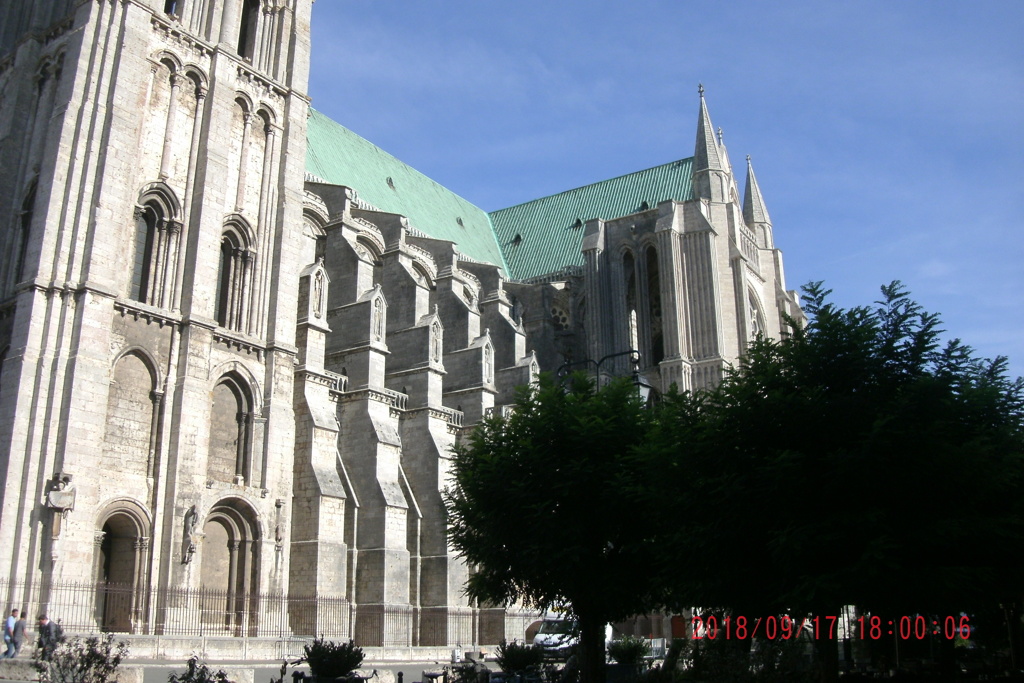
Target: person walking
47, 638
18, 635
9, 623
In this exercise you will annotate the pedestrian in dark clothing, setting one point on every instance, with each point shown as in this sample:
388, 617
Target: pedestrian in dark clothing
47, 638
19, 634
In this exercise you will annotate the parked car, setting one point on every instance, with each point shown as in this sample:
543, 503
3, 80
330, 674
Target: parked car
557, 637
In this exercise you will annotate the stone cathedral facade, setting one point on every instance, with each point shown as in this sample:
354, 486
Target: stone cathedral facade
237, 341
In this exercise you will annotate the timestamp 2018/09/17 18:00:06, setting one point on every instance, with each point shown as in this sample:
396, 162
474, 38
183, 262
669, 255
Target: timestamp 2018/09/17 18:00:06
917, 627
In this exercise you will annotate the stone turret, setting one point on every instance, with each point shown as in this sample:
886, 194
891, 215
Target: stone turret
755, 214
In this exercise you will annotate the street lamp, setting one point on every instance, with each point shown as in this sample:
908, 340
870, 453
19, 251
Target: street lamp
643, 387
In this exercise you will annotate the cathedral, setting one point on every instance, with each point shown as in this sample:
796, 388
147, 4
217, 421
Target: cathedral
237, 340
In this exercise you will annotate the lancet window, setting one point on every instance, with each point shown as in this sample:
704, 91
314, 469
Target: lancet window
233, 280
146, 220
247, 28
657, 350
24, 230
629, 272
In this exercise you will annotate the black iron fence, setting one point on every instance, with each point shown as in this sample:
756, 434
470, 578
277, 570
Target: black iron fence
87, 607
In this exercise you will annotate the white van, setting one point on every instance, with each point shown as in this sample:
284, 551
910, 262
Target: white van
557, 637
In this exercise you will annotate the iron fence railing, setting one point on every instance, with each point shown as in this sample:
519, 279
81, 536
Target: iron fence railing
88, 607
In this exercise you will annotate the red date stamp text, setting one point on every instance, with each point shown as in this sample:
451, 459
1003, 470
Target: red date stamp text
872, 627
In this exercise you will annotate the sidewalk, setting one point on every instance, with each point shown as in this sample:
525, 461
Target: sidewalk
20, 670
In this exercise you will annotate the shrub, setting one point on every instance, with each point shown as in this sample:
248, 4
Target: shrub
670, 669
517, 657
328, 659
92, 660
197, 672
629, 650
283, 671
467, 672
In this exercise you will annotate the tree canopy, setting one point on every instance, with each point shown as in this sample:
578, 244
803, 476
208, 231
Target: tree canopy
858, 461
545, 506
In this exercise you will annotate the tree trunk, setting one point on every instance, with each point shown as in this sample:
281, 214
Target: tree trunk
827, 645
947, 657
591, 649
828, 650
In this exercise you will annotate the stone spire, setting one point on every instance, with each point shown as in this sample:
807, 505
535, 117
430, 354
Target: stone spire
755, 215
723, 153
705, 155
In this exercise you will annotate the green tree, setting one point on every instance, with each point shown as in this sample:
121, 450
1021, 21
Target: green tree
547, 507
856, 462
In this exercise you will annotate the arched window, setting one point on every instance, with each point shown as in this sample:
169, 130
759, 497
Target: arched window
654, 307
129, 442
147, 220
27, 209
247, 28
232, 280
154, 247
171, 7
629, 272
231, 419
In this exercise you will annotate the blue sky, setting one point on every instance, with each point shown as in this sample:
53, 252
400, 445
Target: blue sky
887, 137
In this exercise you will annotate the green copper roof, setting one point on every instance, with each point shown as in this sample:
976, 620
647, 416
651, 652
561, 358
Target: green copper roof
341, 157
550, 229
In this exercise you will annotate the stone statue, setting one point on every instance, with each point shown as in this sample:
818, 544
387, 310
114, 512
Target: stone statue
188, 536
318, 294
61, 500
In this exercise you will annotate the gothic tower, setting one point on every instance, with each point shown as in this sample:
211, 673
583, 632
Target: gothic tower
690, 282
153, 153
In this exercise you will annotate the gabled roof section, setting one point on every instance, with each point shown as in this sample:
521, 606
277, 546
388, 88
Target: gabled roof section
545, 235
340, 157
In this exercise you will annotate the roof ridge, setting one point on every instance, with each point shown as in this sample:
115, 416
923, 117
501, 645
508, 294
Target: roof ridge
396, 159
596, 182
341, 156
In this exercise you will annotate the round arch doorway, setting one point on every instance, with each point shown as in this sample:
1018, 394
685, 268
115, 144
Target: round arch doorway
230, 568
122, 558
